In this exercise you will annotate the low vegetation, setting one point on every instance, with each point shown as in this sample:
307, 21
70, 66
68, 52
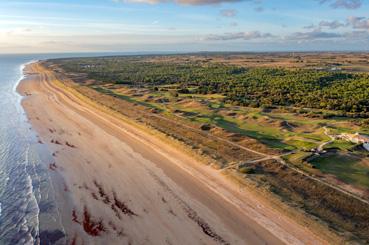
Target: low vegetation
348, 168
255, 87
337, 209
233, 115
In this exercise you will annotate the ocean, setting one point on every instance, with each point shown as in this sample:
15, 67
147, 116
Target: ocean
22, 172
26, 193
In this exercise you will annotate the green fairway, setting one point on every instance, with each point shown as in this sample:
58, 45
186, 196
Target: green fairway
340, 144
345, 167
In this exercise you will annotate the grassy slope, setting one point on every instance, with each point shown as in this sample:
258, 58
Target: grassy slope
346, 167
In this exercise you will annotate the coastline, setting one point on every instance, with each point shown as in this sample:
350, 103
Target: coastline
50, 226
67, 126
28, 208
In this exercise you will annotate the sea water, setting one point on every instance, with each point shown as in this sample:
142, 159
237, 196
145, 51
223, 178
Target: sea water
26, 192
28, 211
25, 187
19, 161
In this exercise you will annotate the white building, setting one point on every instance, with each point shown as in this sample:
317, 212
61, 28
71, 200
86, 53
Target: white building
357, 139
366, 146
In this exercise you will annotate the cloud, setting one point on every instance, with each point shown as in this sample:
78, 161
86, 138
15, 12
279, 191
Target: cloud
313, 35
310, 36
358, 22
205, 2
183, 2
347, 4
190, 2
357, 35
331, 24
335, 24
19, 31
239, 36
259, 9
310, 27
228, 12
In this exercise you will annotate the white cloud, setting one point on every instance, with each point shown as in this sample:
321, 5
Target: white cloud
347, 4
239, 36
313, 35
358, 22
228, 12
184, 2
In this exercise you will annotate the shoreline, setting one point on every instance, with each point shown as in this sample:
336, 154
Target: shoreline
50, 225
171, 176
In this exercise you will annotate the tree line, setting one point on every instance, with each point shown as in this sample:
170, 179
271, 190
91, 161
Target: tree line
256, 87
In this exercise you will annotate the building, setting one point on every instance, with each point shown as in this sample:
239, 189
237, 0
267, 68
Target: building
360, 139
357, 139
366, 146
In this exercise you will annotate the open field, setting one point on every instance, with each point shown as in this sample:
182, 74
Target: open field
255, 142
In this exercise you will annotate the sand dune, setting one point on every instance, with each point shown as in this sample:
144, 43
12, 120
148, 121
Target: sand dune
117, 184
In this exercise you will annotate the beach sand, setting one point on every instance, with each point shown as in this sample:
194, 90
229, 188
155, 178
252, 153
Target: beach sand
117, 184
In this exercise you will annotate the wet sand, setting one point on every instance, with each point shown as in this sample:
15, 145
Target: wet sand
117, 184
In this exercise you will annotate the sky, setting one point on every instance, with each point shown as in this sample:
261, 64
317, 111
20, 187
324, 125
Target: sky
43, 26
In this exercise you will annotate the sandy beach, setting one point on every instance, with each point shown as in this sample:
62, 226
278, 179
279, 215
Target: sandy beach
117, 184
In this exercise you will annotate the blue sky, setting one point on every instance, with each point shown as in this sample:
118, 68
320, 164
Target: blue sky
183, 25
